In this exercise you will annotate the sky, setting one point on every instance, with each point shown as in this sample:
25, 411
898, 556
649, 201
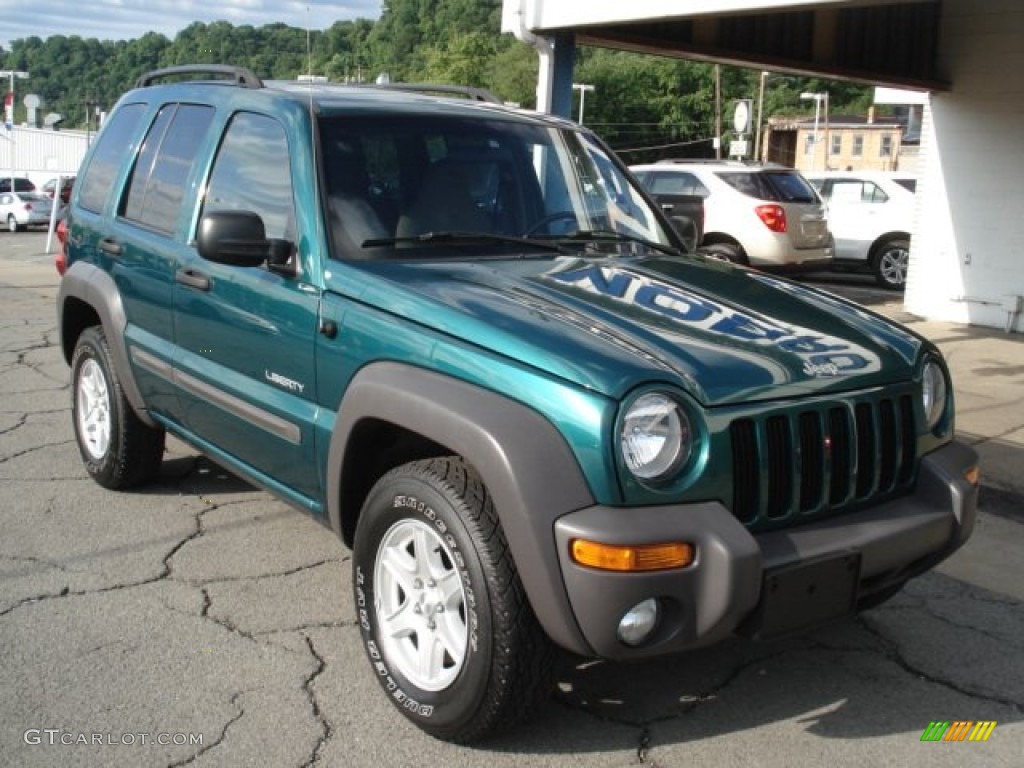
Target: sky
128, 19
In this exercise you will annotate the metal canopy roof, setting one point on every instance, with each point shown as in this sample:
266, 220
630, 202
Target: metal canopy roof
888, 43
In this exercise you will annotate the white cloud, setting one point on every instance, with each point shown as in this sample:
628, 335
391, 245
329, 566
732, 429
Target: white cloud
127, 19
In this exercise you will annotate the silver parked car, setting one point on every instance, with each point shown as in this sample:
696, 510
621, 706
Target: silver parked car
763, 215
25, 209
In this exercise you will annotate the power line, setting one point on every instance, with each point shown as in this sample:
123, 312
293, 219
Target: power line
663, 146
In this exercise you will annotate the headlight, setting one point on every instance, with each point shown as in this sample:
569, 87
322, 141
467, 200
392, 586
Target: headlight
933, 393
656, 437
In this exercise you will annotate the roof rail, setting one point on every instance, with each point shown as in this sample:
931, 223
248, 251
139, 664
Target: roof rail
700, 161
228, 74
466, 91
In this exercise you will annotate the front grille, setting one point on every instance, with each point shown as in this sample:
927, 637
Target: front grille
812, 461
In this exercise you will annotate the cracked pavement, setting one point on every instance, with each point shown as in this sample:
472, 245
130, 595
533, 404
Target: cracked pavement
200, 605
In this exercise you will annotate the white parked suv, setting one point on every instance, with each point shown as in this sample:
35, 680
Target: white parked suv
763, 215
870, 215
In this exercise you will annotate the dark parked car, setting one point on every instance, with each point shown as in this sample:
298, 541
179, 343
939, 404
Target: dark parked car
67, 183
21, 184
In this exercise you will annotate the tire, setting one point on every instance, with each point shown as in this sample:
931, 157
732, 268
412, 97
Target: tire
890, 262
12, 223
118, 450
725, 252
432, 569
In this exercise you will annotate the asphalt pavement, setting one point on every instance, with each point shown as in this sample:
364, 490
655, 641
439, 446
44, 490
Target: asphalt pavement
201, 622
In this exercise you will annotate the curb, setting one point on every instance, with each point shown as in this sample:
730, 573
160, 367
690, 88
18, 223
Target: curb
1001, 502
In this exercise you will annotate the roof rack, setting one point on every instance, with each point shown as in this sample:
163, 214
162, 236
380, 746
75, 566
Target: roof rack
225, 74
466, 91
700, 161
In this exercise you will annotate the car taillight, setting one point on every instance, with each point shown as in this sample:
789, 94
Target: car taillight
773, 216
61, 260
28, 206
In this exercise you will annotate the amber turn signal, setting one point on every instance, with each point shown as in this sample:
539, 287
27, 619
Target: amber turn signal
973, 475
640, 557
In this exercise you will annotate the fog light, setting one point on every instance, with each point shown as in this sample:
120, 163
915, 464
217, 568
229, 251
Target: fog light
639, 622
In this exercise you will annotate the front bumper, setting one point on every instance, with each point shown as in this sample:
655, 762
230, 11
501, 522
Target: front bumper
765, 583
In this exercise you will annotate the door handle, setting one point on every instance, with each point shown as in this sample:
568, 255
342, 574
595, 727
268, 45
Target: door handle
111, 247
193, 278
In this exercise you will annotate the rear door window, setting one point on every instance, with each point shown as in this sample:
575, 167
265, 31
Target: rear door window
158, 183
675, 183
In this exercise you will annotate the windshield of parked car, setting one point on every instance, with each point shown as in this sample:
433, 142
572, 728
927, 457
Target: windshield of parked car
462, 187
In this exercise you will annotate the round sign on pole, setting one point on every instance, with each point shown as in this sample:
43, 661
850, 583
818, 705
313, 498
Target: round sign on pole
741, 116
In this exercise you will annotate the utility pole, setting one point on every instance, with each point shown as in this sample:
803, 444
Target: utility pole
718, 112
760, 118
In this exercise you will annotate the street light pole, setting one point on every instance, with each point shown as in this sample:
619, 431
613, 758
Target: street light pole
11, 73
818, 98
760, 117
582, 88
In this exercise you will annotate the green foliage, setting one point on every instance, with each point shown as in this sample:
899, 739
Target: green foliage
638, 102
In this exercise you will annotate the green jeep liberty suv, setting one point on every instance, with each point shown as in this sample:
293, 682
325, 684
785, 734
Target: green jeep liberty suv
459, 335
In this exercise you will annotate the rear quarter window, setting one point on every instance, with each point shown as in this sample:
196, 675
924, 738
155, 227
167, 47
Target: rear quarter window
777, 186
791, 187
107, 155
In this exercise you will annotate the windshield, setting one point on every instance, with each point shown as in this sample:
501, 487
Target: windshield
396, 183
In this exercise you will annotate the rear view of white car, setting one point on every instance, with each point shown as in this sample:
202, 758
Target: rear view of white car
869, 214
763, 215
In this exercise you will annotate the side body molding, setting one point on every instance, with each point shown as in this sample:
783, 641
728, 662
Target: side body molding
528, 468
96, 288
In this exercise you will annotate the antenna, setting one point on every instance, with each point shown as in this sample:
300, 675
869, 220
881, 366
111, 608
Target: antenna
321, 234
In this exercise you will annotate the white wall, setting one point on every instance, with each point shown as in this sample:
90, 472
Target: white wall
967, 251
41, 154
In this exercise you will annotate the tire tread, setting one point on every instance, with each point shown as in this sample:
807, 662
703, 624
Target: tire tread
138, 448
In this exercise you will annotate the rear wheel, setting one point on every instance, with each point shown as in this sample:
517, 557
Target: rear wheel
118, 449
12, 223
725, 252
444, 619
890, 263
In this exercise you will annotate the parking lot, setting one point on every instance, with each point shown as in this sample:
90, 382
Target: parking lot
201, 622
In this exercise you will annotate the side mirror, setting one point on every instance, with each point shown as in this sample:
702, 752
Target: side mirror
239, 239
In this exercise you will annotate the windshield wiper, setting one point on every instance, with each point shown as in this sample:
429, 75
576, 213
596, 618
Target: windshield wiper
611, 236
462, 237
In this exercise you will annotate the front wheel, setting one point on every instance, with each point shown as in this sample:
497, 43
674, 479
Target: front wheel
445, 622
118, 449
891, 260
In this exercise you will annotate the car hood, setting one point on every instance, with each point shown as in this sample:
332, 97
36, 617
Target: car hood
723, 333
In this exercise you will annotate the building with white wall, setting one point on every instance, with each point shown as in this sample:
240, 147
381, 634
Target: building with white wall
963, 56
40, 154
